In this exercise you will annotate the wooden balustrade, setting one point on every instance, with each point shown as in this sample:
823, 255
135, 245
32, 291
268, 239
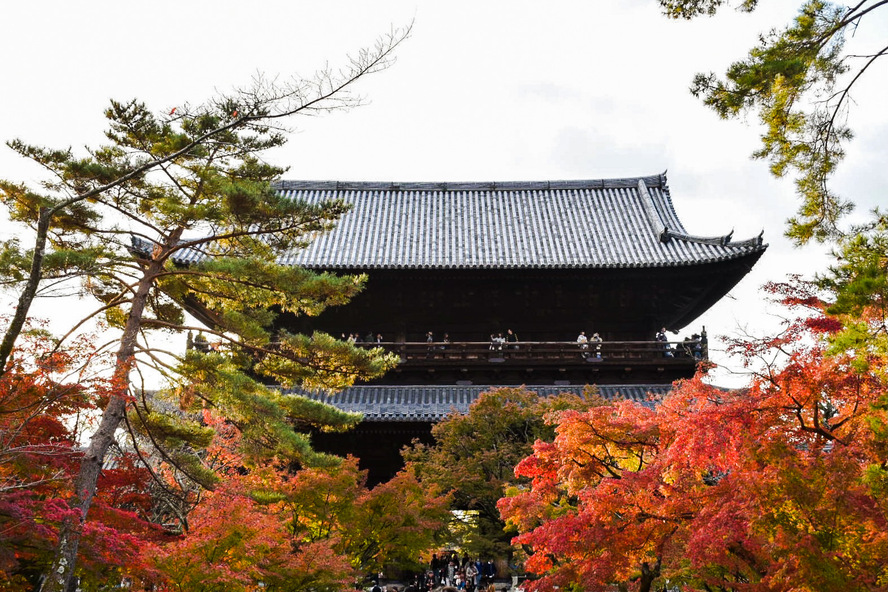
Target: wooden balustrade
542, 352
532, 353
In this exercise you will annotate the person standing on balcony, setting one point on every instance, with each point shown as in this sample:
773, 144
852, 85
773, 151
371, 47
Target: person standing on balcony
661, 336
583, 343
512, 339
596, 339
430, 340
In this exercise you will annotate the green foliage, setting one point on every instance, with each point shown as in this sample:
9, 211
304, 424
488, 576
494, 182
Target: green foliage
177, 212
793, 79
243, 293
688, 9
13, 262
265, 416
62, 262
24, 204
320, 361
876, 475
858, 285
398, 523
177, 438
474, 455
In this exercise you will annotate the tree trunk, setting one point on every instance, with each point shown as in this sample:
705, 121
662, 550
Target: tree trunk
60, 578
27, 296
648, 575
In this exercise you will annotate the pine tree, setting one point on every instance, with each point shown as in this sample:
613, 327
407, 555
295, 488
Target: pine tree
799, 81
178, 212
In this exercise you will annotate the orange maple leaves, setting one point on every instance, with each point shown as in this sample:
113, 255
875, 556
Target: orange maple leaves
778, 486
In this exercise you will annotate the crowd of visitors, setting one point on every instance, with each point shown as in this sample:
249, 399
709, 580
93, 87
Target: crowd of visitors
689, 347
368, 338
448, 570
693, 346
460, 573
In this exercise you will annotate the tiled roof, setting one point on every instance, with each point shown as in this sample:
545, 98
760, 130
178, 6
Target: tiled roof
434, 403
552, 224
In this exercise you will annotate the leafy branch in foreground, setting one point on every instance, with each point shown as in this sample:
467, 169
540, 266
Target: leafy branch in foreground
141, 172
799, 81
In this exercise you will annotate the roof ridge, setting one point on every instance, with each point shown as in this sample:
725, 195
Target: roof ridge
655, 218
621, 182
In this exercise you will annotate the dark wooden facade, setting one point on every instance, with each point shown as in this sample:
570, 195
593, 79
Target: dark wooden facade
628, 304
544, 259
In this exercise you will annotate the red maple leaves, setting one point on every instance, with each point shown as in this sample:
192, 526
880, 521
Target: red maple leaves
45, 397
778, 486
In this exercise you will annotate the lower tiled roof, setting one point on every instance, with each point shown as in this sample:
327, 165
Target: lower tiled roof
433, 403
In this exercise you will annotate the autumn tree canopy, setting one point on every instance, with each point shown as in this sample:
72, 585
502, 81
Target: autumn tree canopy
778, 486
47, 398
474, 456
317, 529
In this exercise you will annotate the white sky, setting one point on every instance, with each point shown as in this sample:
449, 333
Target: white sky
482, 91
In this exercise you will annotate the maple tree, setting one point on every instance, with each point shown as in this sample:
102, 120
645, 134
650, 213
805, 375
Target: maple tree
46, 398
398, 523
312, 529
235, 543
474, 456
390, 524
778, 486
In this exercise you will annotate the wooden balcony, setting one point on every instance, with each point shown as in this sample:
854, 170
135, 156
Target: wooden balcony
535, 362
545, 353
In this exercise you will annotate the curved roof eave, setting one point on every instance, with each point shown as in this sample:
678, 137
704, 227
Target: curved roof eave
543, 266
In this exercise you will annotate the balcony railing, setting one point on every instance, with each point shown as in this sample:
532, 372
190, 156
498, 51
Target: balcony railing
543, 352
528, 353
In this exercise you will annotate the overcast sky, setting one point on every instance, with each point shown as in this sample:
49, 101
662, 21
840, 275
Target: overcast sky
482, 91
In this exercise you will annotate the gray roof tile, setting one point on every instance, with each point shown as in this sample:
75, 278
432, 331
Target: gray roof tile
547, 224
436, 402
552, 224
